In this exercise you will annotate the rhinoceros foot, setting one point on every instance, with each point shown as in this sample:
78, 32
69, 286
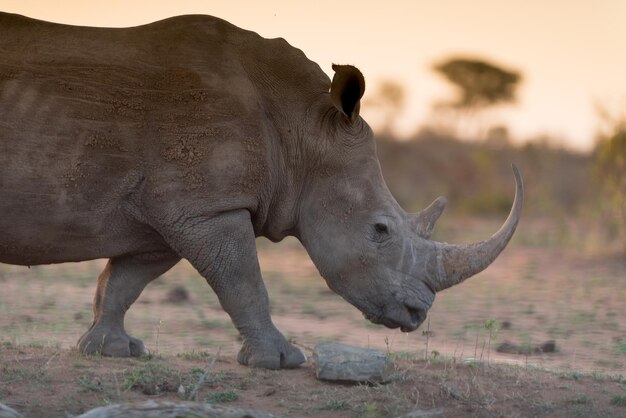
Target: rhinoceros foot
114, 343
270, 353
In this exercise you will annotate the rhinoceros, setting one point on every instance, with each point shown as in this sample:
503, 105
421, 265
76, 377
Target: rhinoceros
188, 138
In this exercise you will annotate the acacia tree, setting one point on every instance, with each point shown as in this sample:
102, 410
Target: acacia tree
611, 169
389, 99
481, 85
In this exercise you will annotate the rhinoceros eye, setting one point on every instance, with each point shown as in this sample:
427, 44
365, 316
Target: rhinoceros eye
380, 232
381, 228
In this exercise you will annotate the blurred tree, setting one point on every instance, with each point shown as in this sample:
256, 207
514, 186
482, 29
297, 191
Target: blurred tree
389, 98
611, 170
498, 137
481, 85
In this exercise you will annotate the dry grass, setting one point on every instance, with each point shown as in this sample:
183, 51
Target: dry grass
72, 384
540, 292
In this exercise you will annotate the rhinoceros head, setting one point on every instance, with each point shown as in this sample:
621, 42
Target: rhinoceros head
368, 249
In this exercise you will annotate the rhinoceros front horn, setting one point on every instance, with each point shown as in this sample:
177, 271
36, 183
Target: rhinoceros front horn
458, 262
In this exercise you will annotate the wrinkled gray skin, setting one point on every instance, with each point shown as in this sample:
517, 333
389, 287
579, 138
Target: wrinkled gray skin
188, 138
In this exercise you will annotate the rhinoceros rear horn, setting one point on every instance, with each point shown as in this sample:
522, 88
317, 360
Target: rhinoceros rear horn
347, 89
423, 222
458, 262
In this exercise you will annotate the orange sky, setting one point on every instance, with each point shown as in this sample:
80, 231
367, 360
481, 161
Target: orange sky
572, 52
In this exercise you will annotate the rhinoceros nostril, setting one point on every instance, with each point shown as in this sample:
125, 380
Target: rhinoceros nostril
417, 315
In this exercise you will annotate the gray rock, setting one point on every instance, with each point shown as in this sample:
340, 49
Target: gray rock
6, 412
165, 409
341, 362
431, 413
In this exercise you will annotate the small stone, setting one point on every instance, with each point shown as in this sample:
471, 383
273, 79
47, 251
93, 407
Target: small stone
333, 361
177, 294
507, 347
548, 347
269, 392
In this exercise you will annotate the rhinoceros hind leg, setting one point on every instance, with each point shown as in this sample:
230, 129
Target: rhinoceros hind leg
110, 342
119, 285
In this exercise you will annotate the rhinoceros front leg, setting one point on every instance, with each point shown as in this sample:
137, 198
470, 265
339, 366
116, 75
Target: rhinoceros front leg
223, 250
119, 285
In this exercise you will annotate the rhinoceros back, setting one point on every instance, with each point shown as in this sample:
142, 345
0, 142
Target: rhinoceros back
91, 116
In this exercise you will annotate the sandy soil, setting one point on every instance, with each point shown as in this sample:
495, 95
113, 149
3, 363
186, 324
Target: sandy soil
532, 294
48, 382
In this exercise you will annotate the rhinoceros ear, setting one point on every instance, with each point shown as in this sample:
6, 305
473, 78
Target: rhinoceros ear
347, 89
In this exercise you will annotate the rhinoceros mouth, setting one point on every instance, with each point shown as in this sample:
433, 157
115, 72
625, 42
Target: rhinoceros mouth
392, 324
395, 313
407, 318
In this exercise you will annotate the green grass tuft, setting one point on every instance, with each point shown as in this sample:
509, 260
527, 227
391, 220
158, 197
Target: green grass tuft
90, 383
226, 396
195, 355
580, 400
334, 405
153, 379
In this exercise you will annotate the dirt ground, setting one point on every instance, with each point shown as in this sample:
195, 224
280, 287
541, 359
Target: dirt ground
535, 293
47, 382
